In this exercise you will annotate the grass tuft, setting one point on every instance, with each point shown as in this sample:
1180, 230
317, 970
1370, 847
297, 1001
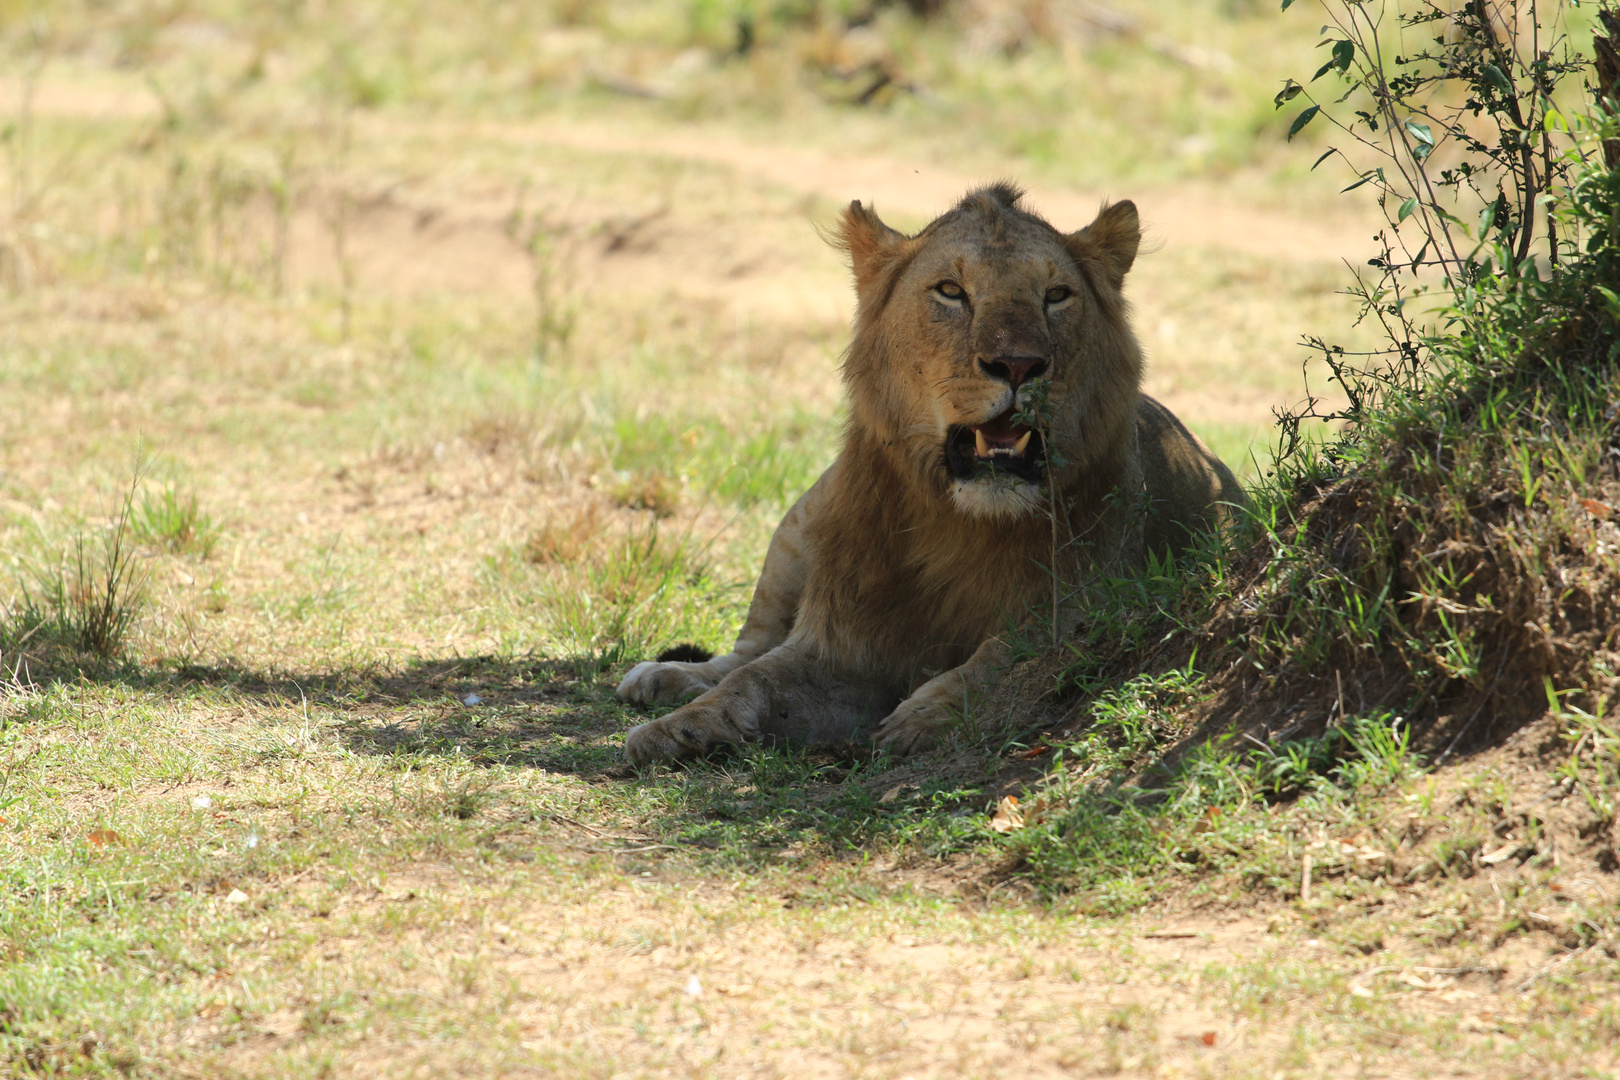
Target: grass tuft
172, 521
88, 602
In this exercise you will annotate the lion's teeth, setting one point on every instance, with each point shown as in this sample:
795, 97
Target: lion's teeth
979, 443
1022, 444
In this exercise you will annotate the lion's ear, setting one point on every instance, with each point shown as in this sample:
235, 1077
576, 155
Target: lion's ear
872, 245
1114, 237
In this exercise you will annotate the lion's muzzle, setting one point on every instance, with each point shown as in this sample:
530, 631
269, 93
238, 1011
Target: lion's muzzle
1015, 371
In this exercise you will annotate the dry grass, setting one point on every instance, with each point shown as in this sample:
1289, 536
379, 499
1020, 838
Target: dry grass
318, 274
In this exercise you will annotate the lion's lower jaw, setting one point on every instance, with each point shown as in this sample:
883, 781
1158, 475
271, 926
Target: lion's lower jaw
995, 497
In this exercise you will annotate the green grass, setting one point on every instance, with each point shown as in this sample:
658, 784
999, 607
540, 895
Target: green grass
349, 787
1184, 91
647, 590
171, 520
726, 458
86, 600
306, 873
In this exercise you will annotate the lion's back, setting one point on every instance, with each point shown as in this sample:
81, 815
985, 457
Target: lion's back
1189, 489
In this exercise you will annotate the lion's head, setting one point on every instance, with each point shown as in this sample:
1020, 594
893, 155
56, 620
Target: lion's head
992, 353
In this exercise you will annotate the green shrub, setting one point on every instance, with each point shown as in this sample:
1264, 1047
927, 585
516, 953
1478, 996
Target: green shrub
1456, 540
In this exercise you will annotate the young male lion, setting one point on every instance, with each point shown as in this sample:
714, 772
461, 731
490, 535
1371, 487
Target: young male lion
993, 375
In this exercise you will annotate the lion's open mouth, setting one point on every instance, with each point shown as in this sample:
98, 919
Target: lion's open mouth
999, 446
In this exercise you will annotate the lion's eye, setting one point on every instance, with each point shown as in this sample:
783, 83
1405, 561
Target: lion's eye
950, 290
1058, 293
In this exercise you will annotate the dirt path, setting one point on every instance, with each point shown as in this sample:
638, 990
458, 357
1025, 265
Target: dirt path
1177, 217
1184, 216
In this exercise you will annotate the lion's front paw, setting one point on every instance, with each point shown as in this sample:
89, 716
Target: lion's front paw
654, 683
685, 733
917, 725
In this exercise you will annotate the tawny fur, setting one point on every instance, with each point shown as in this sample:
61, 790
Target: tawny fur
889, 585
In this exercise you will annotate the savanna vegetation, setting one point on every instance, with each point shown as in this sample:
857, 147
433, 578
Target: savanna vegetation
379, 381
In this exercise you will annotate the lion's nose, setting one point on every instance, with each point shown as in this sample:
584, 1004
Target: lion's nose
1014, 370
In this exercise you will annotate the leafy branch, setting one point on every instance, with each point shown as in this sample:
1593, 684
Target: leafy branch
1467, 169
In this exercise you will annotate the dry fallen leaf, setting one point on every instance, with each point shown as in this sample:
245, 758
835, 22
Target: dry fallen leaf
1600, 510
103, 837
1208, 1038
1007, 817
237, 896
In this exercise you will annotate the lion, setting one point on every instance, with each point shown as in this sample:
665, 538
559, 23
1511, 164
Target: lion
997, 437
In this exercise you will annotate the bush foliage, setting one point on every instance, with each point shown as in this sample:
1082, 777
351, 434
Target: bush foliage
1441, 570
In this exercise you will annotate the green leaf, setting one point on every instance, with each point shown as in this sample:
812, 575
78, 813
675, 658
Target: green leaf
1406, 210
1422, 251
1424, 137
1420, 132
1494, 76
1302, 119
1487, 217
1331, 151
1289, 92
1286, 4
1343, 53
1611, 301
1442, 212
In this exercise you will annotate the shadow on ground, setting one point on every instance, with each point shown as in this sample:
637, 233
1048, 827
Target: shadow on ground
556, 715
758, 806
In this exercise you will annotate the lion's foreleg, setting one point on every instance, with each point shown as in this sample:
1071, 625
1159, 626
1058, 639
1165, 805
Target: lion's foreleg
786, 695
771, 614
